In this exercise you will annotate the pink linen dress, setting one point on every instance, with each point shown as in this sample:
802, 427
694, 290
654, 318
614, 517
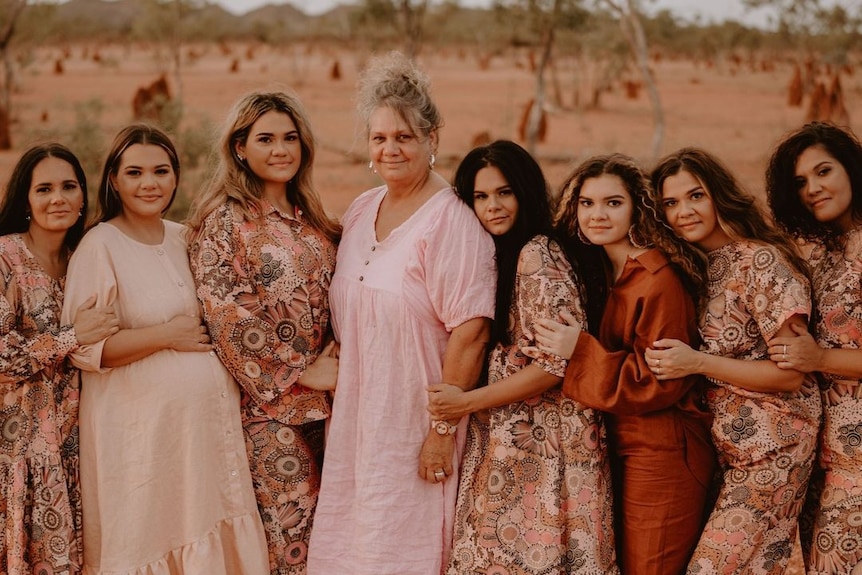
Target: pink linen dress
394, 303
164, 473
40, 514
836, 495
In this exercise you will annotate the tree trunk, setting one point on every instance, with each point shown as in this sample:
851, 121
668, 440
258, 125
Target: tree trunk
534, 122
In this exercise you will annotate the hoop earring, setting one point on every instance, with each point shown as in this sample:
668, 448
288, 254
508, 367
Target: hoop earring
583, 239
432, 161
371, 167
634, 242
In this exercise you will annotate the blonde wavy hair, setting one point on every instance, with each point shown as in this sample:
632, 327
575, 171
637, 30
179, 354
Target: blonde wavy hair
234, 181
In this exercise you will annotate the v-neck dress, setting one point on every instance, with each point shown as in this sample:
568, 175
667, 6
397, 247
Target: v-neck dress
394, 303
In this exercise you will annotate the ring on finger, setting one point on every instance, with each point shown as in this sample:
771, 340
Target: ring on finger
785, 350
440, 475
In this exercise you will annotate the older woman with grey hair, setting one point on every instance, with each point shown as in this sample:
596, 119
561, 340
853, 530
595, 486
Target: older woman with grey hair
411, 300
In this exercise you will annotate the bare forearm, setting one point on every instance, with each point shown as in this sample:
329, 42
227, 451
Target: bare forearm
465, 353
524, 384
753, 375
842, 362
130, 345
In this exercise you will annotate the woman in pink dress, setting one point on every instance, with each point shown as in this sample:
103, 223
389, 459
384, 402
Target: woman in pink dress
41, 221
263, 252
165, 480
766, 418
531, 452
412, 298
814, 186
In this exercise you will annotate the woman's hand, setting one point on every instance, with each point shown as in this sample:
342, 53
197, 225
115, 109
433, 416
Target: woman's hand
800, 353
322, 375
558, 338
435, 457
187, 333
93, 324
672, 359
447, 401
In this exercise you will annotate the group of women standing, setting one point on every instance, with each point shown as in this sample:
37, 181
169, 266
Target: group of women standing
629, 380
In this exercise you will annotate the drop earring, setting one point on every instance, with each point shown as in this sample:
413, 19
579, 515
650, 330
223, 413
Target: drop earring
432, 161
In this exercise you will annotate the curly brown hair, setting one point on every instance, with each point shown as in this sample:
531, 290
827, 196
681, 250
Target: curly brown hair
648, 229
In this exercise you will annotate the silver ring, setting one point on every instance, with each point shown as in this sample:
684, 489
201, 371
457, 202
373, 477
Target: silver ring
658, 363
785, 357
785, 350
440, 474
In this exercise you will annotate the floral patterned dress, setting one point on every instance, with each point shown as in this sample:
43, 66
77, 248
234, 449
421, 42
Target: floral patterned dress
836, 543
535, 492
264, 285
765, 441
40, 514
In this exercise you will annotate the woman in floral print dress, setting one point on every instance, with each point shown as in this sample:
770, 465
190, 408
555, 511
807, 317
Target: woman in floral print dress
766, 418
535, 490
814, 184
263, 252
41, 221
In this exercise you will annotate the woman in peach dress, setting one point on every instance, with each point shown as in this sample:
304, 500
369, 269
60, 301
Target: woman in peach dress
165, 478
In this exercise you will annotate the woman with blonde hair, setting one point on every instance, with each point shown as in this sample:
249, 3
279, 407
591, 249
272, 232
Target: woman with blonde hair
263, 252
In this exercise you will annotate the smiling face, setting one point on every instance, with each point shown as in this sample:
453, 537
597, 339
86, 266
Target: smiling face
824, 187
272, 151
399, 155
55, 197
605, 211
145, 180
690, 211
494, 201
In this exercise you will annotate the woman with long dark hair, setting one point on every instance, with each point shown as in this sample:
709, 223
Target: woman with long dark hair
41, 222
539, 454
165, 479
814, 187
766, 418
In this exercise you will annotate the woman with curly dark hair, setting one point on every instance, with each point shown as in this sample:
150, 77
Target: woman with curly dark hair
766, 418
639, 284
814, 186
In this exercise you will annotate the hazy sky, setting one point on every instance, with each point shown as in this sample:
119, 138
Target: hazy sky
707, 10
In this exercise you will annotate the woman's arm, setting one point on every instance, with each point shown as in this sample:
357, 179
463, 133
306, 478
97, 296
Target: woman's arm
462, 364
669, 358
247, 334
801, 353
451, 402
182, 333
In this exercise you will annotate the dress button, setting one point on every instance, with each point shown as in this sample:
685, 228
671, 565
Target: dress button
212, 353
366, 262
234, 473
361, 278
224, 394
181, 284
373, 248
160, 251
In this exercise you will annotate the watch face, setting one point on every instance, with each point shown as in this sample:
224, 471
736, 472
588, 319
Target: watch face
442, 428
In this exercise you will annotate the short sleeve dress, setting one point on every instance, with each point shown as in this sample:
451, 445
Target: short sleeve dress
765, 441
40, 523
394, 303
164, 473
836, 544
535, 492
